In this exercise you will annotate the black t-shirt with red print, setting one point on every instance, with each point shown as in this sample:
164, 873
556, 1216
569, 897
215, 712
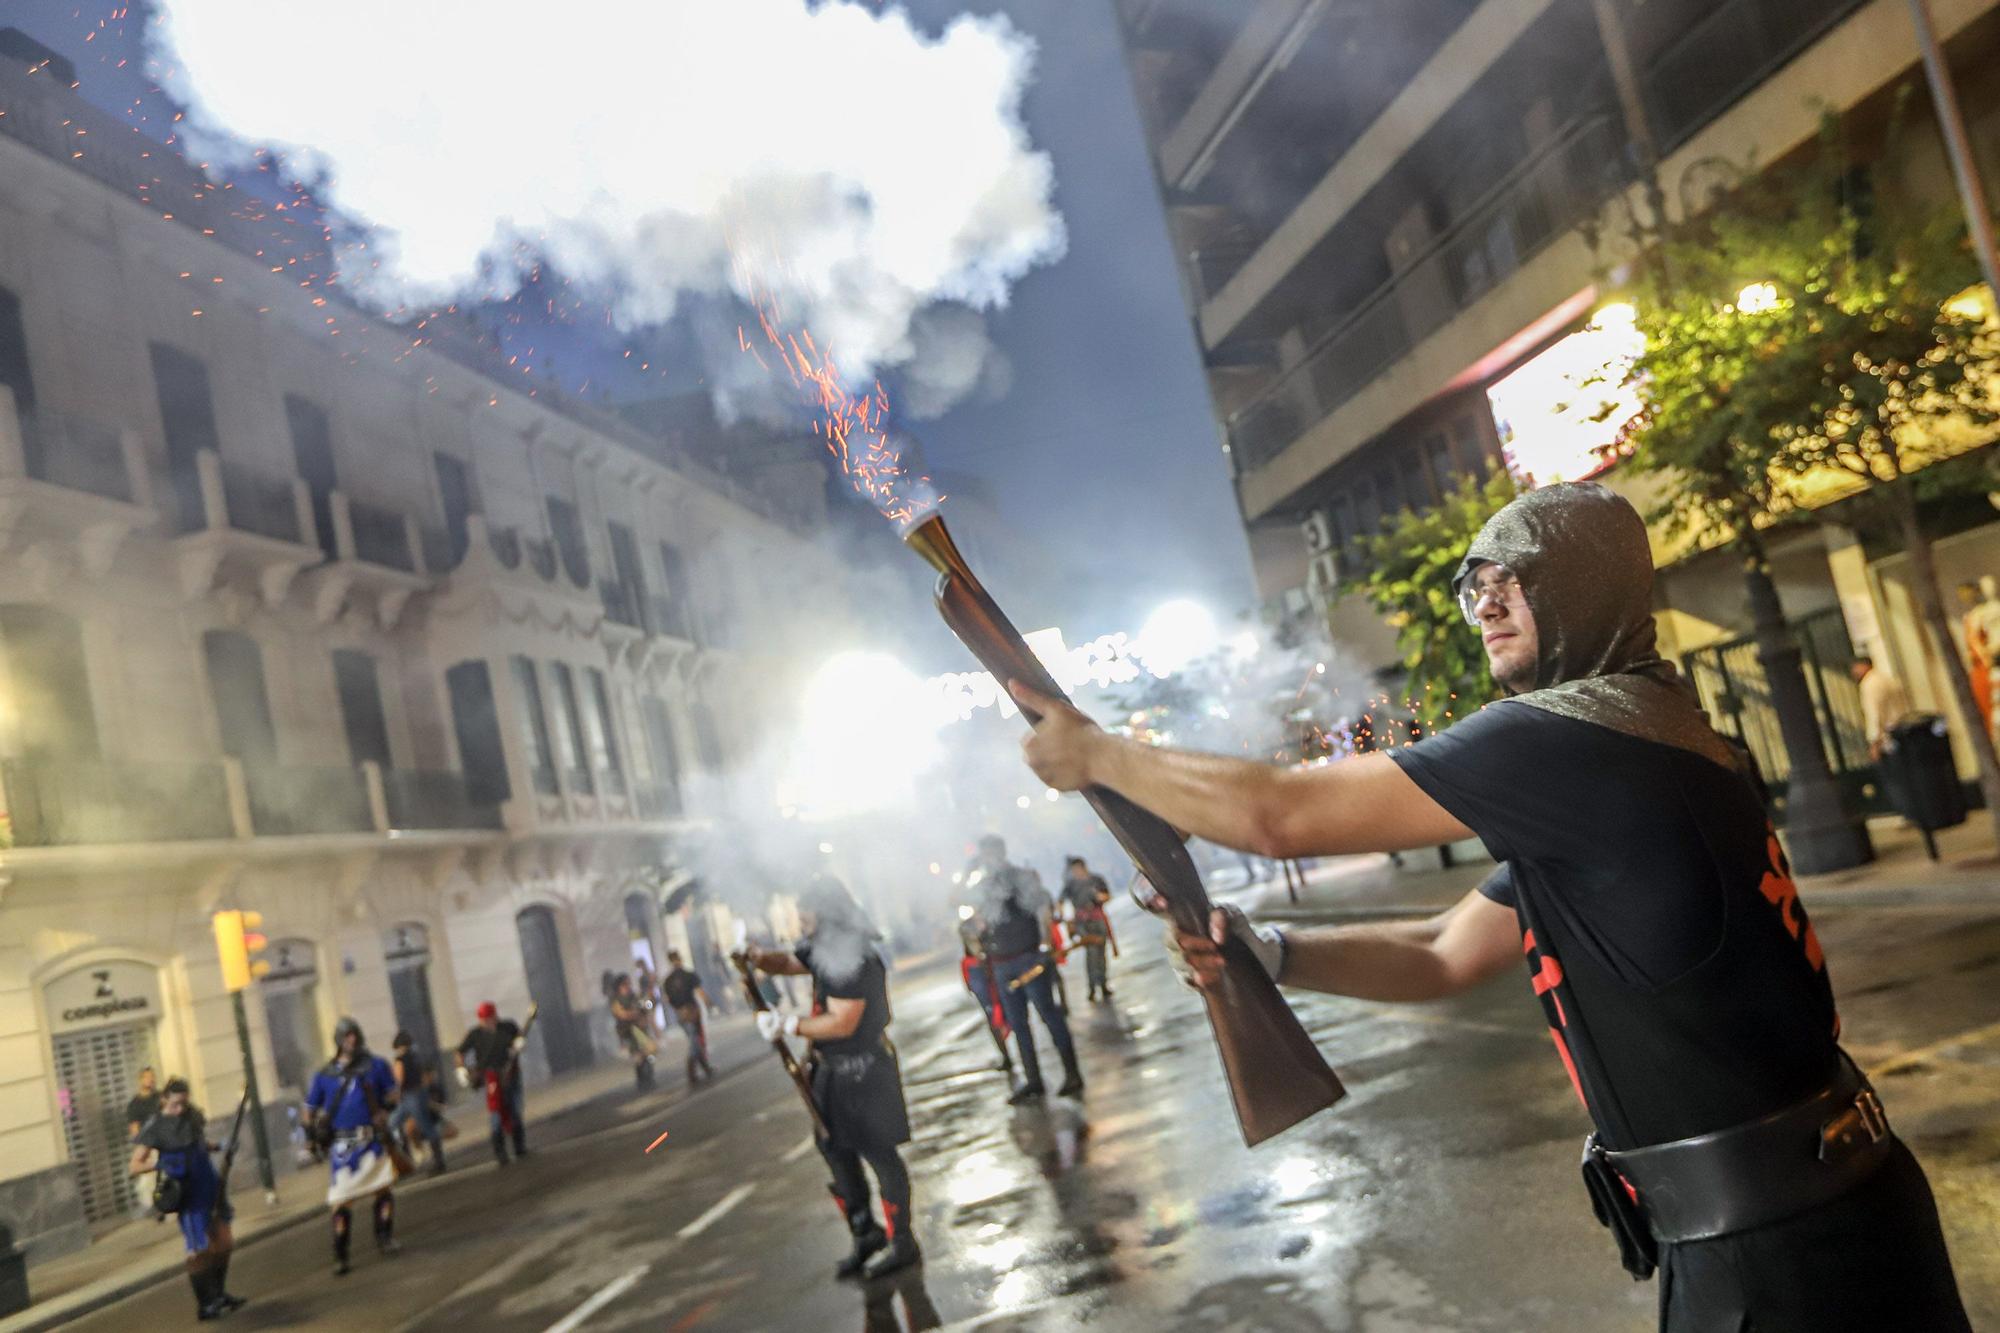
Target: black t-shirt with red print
1683, 984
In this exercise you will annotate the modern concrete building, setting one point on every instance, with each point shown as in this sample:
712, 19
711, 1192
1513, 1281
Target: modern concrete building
1396, 222
407, 652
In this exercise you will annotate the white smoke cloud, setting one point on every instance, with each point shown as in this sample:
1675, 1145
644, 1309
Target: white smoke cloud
861, 170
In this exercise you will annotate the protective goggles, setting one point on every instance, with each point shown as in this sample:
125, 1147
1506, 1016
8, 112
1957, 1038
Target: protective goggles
1492, 582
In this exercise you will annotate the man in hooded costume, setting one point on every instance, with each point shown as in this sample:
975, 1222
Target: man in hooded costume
349, 1101
856, 1081
1737, 1149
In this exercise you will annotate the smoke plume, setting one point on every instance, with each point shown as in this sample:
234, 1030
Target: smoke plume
877, 180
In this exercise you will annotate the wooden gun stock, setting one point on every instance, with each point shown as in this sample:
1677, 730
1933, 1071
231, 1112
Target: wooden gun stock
1277, 1077
784, 1050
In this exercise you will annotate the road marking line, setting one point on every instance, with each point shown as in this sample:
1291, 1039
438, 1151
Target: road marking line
1917, 1055
715, 1214
793, 1154
574, 1319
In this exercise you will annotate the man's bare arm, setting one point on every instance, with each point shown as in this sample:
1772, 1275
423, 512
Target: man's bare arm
840, 1020
1453, 951
1414, 960
1364, 804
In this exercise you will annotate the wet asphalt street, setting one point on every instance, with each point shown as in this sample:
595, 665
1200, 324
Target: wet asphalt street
1441, 1195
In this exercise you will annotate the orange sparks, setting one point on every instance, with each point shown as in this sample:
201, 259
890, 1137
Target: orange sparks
657, 1142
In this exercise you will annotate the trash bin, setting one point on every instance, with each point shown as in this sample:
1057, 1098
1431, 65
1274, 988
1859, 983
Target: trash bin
1921, 780
13, 1275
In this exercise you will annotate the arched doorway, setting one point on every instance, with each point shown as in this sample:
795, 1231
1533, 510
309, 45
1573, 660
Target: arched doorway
548, 986
406, 950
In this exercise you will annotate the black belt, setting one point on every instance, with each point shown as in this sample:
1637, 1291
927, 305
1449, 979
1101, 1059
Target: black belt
1760, 1172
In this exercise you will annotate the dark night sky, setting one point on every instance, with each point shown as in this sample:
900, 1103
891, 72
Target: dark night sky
1103, 457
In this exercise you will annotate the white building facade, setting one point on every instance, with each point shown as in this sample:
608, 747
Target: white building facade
300, 618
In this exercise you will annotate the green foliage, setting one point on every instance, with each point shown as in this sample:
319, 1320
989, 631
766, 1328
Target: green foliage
1408, 582
1807, 329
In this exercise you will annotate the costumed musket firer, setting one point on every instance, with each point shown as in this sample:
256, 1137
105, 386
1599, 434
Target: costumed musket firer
778, 1044
1277, 1077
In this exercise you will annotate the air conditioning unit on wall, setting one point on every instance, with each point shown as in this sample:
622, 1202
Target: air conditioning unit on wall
1317, 529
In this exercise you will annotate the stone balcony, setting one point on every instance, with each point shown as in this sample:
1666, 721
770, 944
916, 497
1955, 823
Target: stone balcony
246, 523
378, 555
71, 492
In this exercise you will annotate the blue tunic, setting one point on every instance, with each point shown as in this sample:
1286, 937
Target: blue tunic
181, 1142
358, 1163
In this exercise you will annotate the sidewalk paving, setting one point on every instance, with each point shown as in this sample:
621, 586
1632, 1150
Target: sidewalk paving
1966, 875
138, 1254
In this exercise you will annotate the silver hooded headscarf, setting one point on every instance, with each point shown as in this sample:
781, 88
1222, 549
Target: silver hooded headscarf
1587, 573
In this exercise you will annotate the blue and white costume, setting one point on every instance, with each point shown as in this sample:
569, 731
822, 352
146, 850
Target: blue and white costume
349, 1095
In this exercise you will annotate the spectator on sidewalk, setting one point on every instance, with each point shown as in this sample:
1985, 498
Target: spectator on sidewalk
416, 1117
685, 995
142, 1107
1884, 703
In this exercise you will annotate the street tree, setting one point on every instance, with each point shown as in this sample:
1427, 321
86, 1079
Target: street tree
1808, 338
1406, 577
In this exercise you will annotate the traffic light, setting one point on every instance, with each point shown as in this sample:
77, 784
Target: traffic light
237, 941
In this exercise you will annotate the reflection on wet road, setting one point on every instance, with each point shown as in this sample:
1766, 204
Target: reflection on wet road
1441, 1195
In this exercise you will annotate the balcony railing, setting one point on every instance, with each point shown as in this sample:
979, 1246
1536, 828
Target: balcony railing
657, 800
433, 800
77, 802
261, 502
1540, 201
668, 617
1725, 55
380, 536
291, 802
621, 603
541, 556
76, 454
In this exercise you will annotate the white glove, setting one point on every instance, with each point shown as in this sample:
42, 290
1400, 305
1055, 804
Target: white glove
464, 1077
519, 1043
1266, 943
772, 1025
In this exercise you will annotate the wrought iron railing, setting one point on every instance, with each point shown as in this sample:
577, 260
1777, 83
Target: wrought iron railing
289, 802
433, 800
75, 453
260, 502
1725, 55
1539, 201
381, 536
81, 802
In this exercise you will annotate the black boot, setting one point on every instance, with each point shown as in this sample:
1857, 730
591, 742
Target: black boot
342, 1239
204, 1296
902, 1252
385, 1227
222, 1296
499, 1147
1030, 1091
1072, 1085
868, 1238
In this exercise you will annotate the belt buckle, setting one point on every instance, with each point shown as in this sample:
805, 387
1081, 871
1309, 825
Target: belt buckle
1873, 1118
1861, 1123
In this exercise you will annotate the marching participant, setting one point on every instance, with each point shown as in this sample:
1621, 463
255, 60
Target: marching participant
174, 1142
349, 1101
856, 1083
1085, 895
495, 1043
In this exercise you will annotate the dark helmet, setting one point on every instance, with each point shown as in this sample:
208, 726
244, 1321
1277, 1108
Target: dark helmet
345, 1026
